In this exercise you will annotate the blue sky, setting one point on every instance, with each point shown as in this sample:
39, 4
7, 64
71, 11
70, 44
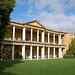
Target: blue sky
53, 14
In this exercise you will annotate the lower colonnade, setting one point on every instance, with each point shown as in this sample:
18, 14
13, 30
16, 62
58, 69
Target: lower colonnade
37, 52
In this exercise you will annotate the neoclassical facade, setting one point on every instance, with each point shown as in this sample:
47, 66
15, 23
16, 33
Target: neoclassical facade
35, 41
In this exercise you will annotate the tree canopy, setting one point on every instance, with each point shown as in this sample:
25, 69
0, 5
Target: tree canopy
6, 7
71, 52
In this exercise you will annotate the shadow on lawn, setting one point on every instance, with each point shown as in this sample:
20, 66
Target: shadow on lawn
7, 64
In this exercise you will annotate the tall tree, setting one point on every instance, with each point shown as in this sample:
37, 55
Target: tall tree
72, 47
71, 52
6, 7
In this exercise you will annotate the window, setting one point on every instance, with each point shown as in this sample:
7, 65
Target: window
39, 41
50, 52
39, 34
33, 33
27, 39
45, 52
11, 37
50, 41
32, 39
45, 40
21, 31
45, 35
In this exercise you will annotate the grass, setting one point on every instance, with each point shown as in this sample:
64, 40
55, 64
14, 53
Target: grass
38, 67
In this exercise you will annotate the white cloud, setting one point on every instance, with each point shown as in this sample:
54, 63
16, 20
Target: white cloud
56, 19
21, 2
71, 4
56, 5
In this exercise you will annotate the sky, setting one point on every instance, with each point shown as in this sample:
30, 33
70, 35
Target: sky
52, 14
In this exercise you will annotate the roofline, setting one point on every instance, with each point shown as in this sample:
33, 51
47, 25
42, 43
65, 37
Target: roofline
18, 22
70, 33
56, 30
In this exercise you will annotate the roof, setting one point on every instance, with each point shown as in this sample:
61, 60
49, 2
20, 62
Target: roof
37, 24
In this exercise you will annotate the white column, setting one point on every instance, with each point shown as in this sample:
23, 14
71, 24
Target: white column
54, 52
37, 35
37, 52
54, 38
43, 36
43, 52
59, 38
59, 52
31, 34
48, 52
23, 35
12, 52
13, 32
30, 52
48, 37
23, 52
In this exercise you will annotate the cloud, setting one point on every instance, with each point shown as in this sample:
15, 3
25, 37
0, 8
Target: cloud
21, 2
57, 21
71, 4
51, 14
56, 5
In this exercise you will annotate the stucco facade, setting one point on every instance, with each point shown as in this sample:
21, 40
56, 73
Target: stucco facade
35, 41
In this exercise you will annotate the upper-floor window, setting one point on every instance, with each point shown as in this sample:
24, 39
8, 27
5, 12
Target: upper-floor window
45, 40
39, 34
33, 33
39, 40
50, 41
27, 39
11, 37
32, 39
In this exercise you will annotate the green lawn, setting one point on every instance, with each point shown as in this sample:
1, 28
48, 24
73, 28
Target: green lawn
38, 67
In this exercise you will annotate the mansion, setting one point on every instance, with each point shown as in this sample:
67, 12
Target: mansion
35, 41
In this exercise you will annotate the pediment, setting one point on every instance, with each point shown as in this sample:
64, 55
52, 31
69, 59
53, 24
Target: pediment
35, 23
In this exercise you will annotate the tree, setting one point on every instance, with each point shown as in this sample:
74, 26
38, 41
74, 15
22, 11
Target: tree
71, 52
72, 47
6, 7
6, 52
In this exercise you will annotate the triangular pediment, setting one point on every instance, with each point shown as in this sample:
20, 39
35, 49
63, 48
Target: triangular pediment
35, 23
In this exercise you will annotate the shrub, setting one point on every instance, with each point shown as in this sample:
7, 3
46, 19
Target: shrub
71, 56
67, 52
66, 56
